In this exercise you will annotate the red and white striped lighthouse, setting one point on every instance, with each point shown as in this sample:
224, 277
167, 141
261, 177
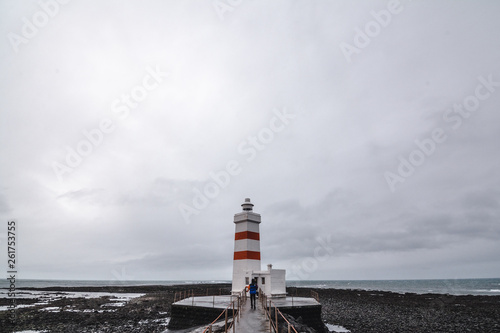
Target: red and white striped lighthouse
246, 246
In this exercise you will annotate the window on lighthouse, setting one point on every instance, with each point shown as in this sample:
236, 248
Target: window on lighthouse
247, 280
263, 280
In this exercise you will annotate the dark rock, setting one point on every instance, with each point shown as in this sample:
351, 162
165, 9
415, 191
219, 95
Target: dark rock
143, 314
373, 312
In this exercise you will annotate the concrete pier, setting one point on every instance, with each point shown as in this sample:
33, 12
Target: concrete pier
252, 320
307, 308
197, 311
202, 310
218, 302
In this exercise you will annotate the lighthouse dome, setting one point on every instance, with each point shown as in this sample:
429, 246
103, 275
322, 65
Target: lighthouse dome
247, 205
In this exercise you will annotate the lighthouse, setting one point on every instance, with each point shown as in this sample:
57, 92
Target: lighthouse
271, 282
246, 259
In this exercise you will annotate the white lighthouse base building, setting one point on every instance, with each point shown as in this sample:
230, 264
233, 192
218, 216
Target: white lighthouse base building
272, 282
246, 263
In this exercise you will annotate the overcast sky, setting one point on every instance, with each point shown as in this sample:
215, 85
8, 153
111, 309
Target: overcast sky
366, 134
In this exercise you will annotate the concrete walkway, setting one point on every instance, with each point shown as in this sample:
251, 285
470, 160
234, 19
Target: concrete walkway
220, 302
253, 321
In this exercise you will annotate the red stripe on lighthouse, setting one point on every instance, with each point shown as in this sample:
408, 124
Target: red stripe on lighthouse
240, 255
246, 235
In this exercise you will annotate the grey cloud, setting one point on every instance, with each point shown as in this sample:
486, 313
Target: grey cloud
322, 175
4, 205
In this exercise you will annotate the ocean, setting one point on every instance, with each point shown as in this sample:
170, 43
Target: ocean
442, 286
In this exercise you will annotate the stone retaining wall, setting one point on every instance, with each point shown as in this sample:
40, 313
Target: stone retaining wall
311, 316
183, 316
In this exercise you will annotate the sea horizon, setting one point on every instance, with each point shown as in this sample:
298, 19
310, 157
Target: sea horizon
466, 286
228, 280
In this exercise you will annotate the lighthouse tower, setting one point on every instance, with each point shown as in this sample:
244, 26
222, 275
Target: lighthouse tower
246, 246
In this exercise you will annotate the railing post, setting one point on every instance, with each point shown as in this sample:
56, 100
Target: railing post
210, 328
288, 327
213, 301
270, 318
270, 322
225, 325
233, 319
276, 316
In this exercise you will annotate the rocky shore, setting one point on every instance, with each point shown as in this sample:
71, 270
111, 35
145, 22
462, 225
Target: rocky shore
148, 310
54, 309
385, 312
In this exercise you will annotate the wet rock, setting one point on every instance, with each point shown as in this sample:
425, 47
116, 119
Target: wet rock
148, 313
363, 311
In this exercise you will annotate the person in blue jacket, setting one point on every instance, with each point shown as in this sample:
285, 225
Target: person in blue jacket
253, 293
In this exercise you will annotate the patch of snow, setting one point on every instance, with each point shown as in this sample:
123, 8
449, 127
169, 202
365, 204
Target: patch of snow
165, 320
119, 304
53, 295
337, 328
51, 309
18, 306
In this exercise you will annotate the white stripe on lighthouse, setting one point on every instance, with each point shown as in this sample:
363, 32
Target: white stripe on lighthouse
248, 226
247, 245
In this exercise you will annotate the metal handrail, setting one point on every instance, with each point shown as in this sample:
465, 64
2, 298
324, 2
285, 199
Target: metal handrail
241, 299
272, 324
180, 295
315, 295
